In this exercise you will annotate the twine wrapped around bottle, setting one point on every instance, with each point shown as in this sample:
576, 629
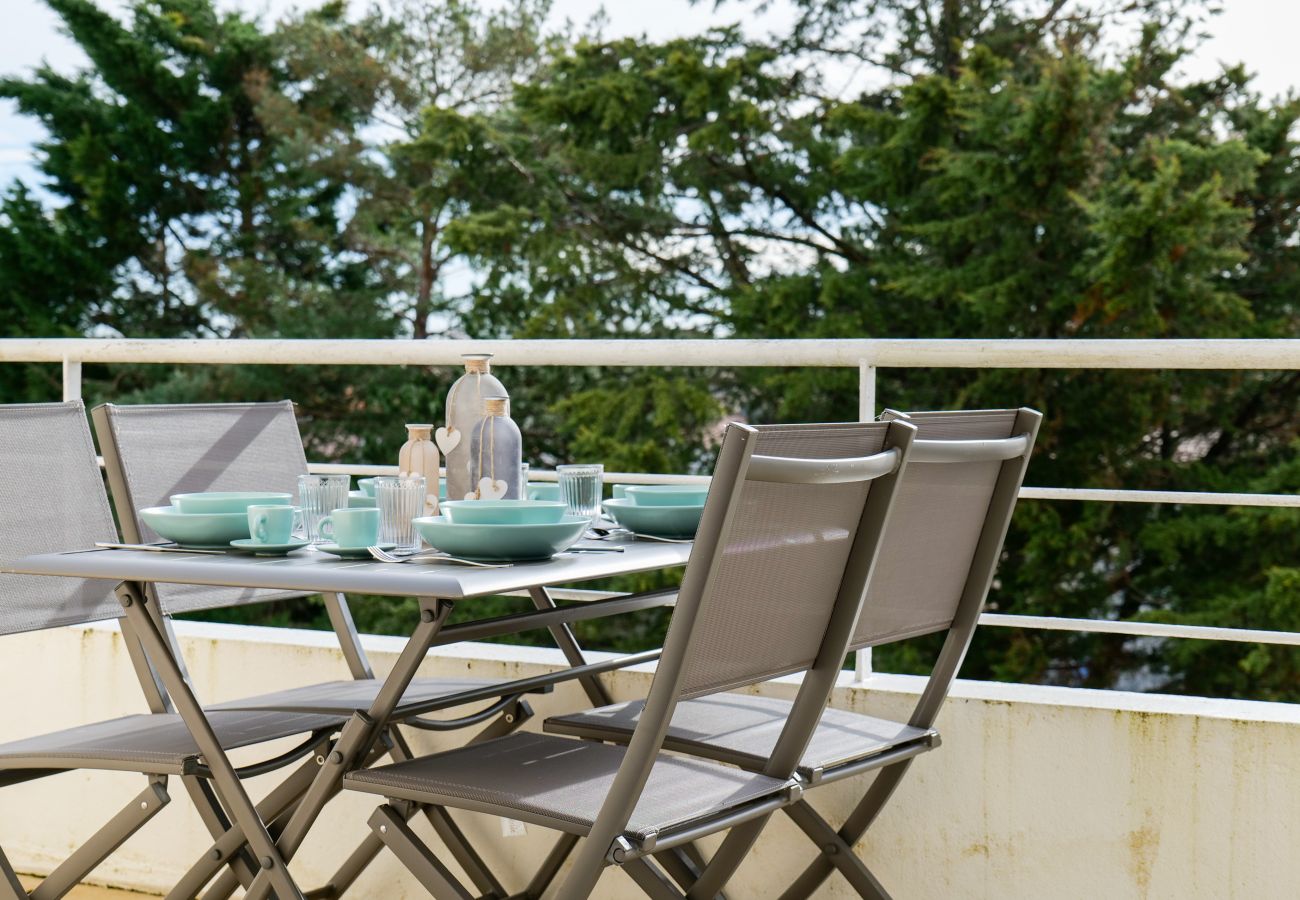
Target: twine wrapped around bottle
464, 411
496, 452
419, 456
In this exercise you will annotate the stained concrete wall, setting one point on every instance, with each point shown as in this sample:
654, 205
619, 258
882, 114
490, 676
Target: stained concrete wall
1035, 793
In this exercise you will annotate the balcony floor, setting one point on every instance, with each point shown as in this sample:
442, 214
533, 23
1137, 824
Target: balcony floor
86, 892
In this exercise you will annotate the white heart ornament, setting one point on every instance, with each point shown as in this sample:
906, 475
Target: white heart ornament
448, 440
491, 490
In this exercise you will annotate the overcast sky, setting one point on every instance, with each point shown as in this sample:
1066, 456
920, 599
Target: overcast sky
1260, 33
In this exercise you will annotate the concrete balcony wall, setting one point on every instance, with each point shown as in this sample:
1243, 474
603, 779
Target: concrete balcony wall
1035, 793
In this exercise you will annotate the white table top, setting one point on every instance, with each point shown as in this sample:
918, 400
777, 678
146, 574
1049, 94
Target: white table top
313, 571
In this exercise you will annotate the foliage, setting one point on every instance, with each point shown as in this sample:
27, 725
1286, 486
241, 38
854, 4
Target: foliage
1001, 169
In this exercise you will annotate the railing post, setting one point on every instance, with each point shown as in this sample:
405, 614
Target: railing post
71, 379
866, 413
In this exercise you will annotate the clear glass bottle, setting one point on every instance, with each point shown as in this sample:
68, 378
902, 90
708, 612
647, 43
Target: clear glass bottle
495, 454
464, 411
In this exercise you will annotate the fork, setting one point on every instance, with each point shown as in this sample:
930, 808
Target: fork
385, 556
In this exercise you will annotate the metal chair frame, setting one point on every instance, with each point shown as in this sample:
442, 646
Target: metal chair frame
892, 762
606, 842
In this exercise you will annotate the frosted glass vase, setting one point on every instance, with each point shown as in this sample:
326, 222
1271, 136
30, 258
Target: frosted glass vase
464, 412
495, 454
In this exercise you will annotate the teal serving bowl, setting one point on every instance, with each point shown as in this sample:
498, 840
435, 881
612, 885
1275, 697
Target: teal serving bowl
359, 500
367, 486
502, 543
667, 494
214, 530
658, 521
543, 490
226, 501
503, 512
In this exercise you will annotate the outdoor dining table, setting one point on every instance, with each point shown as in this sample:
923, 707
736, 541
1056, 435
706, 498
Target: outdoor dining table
436, 586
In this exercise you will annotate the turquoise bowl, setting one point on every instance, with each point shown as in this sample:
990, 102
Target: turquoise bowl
504, 512
658, 521
359, 500
667, 494
543, 490
502, 543
197, 529
226, 501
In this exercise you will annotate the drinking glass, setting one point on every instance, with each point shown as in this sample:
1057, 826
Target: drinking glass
400, 500
581, 488
319, 495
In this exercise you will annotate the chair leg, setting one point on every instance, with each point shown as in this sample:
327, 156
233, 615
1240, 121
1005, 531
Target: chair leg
854, 827
391, 828
836, 851
652, 880
10, 887
69, 873
724, 863
550, 868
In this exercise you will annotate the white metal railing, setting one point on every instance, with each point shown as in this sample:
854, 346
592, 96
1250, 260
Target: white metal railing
867, 355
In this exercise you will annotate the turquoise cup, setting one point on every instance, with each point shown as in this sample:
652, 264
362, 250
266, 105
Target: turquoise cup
273, 524
351, 527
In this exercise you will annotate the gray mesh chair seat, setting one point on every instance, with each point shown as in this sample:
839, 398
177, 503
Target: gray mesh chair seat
562, 784
742, 729
156, 744
343, 697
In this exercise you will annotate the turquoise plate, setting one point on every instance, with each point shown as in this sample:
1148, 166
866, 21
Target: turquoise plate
218, 502
196, 529
359, 500
502, 543
353, 552
667, 494
658, 521
260, 549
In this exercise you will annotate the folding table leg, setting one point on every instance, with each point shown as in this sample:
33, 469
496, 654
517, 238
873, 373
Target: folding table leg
134, 816
357, 737
568, 644
225, 778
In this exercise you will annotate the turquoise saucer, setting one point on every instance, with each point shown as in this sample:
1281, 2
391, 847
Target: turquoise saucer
353, 552
260, 549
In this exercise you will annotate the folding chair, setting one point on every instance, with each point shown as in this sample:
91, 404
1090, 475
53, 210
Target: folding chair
56, 499
793, 511
935, 566
153, 451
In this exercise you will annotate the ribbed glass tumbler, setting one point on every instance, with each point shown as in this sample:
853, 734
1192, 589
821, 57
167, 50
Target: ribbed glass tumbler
320, 495
581, 488
400, 500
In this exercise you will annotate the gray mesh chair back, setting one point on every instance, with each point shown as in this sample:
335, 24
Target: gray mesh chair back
154, 451
778, 571
54, 498
939, 520
781, 562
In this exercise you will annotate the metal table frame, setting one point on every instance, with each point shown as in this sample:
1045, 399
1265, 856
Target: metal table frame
437, 587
